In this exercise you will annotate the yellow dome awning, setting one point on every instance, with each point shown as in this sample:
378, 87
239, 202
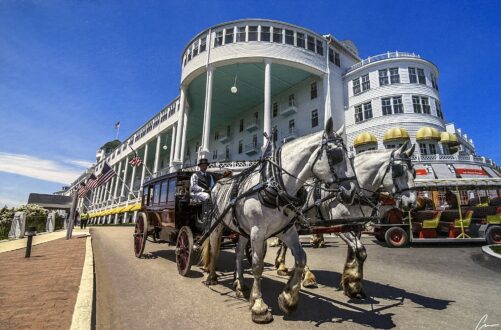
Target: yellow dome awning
395, 133
449, 138
364, 138
427, 133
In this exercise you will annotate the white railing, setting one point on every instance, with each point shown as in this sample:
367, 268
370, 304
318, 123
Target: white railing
468, 158
381, 57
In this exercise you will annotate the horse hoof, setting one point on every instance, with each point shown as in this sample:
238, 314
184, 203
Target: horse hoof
262, 318
321, 245
284, 305
309, 283
210, 282
283, 272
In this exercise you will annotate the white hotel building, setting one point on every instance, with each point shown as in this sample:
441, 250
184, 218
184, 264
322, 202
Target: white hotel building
243, 78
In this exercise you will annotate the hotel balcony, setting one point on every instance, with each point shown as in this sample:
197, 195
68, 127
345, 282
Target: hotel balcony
224, 138
289, 110
252, 126
252, 148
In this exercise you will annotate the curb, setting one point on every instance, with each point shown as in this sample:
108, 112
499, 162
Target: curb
82, 314
487, 250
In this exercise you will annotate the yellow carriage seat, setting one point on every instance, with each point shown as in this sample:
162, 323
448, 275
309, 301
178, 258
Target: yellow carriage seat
466, 220
432, 223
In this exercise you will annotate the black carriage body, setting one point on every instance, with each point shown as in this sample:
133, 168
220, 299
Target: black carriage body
166, 202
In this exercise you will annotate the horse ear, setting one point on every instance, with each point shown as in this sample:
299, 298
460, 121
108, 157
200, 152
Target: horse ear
329, 126
402, 148
410, 151
340, 131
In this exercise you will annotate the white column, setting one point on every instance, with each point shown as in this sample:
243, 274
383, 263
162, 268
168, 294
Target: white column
122, 189
172, 147
327, 97
117, 179
143, 173
267, 101
131, 186
157, 154
207, 114
182, 102
185, 129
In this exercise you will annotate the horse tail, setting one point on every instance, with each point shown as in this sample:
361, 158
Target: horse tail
205, 256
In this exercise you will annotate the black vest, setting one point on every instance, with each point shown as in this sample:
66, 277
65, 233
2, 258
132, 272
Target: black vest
204, 181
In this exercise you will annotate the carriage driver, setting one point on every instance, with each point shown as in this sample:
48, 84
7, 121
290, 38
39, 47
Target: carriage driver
201, 182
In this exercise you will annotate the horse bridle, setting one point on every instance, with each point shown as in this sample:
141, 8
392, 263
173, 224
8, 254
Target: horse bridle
397, 170
334, 157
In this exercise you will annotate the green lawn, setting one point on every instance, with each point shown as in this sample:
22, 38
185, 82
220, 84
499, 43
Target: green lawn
496, 248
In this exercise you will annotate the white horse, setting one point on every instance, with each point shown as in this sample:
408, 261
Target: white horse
321, 155
388, 170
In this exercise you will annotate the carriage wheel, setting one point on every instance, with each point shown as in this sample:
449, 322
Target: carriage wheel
493, 235
140, 234
184, 250
396, 237
248, 252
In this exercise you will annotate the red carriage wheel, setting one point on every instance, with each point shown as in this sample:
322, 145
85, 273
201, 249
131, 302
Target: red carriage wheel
396, 237
140, 234
184, 250
493, 235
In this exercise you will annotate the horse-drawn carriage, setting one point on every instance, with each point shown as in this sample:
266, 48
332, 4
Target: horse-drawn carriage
168, 214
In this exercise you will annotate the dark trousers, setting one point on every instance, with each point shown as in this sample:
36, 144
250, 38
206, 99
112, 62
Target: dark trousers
83, 224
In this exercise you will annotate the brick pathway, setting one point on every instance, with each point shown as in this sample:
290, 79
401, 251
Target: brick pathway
40, 292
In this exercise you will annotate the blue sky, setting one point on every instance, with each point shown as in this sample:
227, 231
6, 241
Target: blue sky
70, 69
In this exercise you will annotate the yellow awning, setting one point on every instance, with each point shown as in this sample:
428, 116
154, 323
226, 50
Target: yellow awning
136, 207
395, 133
449, 138
427, 133
127, 208
364, 138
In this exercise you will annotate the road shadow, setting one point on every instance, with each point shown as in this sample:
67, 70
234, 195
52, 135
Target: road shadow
170, 255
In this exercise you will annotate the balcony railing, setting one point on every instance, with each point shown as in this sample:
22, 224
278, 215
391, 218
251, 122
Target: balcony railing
289, 110
467, 158
381, 57
224, 138
252, 126
252, 148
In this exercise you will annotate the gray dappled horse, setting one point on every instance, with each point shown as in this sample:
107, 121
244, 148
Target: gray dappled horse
388, 170
320, 155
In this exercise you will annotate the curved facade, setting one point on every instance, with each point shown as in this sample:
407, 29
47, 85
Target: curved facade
243, 78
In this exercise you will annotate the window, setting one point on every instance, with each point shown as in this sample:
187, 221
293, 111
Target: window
314, 118
292, 125
421, 77
214, 154
366, 84
390, 146
386, 106
358, 114
219, 39
313, 90
331, 55
426, 105
252, 33
240, 146
412, 75
254, 140
311, 43
422, 149
289, 37
300, 40
356, 86
398, 107
434, 81
277, 35
438, 106
367, 110
337, 59
256, 116
227, 152
433, 149
383, 77
228, 130
171, 197
241, 125
228, 37
203, 44
189, 54
216, 135
275, 109
320, 47
156, 195
241, 34
292, 100
274, 131
394, 76
195, 49
163, 192
265, 33
416, 104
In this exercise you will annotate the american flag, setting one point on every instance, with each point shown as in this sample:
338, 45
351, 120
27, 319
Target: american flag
135, 161
86, 186
107, 173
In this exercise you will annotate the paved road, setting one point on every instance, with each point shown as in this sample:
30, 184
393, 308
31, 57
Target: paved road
422, 287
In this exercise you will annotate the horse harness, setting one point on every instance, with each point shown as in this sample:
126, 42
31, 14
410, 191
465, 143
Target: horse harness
397, 170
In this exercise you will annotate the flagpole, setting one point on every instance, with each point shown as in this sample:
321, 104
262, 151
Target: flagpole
142, 163
125, 184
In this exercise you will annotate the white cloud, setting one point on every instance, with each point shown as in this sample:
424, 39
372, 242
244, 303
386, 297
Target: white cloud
9, 202
33, 167
80, 163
